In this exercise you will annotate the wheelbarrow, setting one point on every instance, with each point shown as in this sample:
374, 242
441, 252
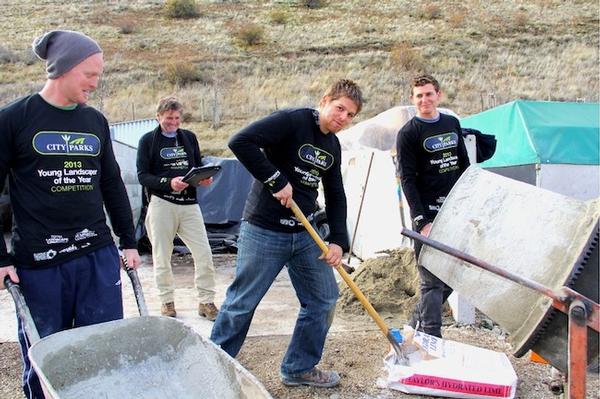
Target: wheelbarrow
142, 357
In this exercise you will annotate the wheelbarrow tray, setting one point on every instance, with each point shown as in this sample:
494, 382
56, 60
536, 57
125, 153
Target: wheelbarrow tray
142, 357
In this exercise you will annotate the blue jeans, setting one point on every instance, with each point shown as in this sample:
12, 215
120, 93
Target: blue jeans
76, 293
262, 253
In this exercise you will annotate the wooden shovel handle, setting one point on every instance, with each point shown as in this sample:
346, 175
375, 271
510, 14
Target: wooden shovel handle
345, 276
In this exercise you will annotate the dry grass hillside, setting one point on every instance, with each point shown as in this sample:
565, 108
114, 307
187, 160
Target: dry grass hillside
239, 60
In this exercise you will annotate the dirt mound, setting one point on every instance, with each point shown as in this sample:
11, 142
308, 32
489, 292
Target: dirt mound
390, 283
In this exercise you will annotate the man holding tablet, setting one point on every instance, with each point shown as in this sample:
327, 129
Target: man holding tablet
165, 155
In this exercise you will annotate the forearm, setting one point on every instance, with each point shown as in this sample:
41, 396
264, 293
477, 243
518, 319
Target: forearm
154, 182
116, 200
247, 149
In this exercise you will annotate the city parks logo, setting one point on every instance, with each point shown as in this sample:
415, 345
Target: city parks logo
173, 153
315, 156
66, 143
441, 142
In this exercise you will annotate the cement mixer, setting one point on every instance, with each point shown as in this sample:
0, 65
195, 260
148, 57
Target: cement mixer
537, 253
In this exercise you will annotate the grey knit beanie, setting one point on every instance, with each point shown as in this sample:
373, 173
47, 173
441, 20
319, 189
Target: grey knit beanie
63, 49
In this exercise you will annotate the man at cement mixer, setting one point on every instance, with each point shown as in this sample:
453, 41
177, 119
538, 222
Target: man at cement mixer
62, 172
431, 157
289, 153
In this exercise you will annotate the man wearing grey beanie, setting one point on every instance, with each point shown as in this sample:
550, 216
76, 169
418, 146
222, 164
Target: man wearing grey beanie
63, 49
57, 154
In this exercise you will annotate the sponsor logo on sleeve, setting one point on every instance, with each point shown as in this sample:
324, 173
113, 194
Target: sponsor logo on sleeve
441, 142
66, 143
270, 182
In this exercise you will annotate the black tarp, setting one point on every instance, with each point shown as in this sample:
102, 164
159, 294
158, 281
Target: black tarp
222, 204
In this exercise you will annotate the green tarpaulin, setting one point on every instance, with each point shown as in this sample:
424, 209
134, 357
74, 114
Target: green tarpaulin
531, 132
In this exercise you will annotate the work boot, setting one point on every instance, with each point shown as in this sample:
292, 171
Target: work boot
208, 310
314, 377
168, 309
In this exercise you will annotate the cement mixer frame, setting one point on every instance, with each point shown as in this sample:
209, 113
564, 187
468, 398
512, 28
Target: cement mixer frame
581, 311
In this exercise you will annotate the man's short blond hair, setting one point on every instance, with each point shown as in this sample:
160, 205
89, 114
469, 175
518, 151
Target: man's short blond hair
345, 88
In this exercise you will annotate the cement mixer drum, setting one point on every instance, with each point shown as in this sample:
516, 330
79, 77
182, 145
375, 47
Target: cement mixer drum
535, 233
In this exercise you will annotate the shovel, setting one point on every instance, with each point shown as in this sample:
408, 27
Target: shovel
400, 356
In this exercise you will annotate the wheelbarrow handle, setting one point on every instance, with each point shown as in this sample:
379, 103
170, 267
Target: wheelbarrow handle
137, 288
22, 310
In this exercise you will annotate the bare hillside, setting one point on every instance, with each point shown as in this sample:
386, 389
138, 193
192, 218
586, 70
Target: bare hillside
238, 60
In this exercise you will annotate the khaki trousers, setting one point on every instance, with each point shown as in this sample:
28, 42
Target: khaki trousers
165, 219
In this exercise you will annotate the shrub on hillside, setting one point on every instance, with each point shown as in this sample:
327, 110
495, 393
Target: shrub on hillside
312, 3
27, 57
430, 11
278, 17
406, 57
181, 9
249, 35
521, 20
457, 19
7, 56
182, 74
126, 28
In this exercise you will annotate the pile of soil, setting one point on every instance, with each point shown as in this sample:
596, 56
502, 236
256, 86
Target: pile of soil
390, 283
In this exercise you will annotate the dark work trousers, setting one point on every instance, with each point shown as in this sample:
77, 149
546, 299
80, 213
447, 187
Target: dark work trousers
434, 292
76, 293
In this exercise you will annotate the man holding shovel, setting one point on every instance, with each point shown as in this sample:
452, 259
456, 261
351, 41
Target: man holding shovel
57, 154
289, 153
431, 157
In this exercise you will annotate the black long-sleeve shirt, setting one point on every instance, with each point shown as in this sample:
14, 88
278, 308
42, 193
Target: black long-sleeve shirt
431, 158
61, 170
160, 158
288, 146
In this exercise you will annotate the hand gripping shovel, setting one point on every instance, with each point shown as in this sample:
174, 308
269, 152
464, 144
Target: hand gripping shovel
400, 356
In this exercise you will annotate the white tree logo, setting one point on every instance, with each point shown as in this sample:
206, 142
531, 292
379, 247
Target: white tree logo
66, 138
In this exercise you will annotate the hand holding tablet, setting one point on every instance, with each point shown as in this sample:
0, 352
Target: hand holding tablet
196, 174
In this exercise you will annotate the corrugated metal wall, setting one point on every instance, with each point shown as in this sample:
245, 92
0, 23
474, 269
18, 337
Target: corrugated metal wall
125, 136
130, 132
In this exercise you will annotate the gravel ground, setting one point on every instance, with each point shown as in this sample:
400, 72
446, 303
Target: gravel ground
357, 356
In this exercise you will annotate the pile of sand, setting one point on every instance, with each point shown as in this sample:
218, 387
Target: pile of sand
390, 283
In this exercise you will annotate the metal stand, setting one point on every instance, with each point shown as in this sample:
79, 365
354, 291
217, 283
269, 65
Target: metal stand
582, 312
